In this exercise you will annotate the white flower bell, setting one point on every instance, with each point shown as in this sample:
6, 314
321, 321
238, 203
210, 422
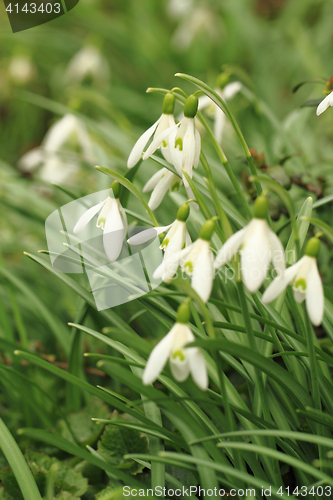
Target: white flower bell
162, 128
306, 282
183, 360
325, 103
112, 220
159, 184
258, 246
176, 238
185, 141
197, 261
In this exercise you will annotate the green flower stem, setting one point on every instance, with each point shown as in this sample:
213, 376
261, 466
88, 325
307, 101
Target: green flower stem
226, 165
18, 464
315, 391
271, 470
222, 105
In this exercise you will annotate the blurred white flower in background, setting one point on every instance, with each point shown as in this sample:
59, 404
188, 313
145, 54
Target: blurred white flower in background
159, 184
87, 63
196, 20
67, 135
179, 8
205, 103
21, 70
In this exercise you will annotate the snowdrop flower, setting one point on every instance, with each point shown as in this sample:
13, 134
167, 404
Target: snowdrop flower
159, 184
185, 141
69, 130
162, 128
258, 246
183, 360
197, 261
176, 238
306, 283
21, 70
87, 63
112, 220
66, 131
325, 103
227, 93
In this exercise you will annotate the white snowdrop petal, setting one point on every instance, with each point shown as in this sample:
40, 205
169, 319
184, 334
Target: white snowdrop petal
160, 190
299, 294
157, 141
59, 133
159, 272
229, 248
146, 235
140, 144
179, 368
203, 273
277, 253
279, 284
255, 255
87, 216
114, 233
198, 369
149, 186
158, 357
231, 90
325, 103
314, 295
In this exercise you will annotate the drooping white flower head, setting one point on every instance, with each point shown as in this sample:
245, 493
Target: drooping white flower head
325, 103
258, 246
161, 130
88, 62
112, 220
185, 141
159, 184
176, 239
69, 130
306, 282
227, 93
21, 70
53, 167
183, 360
197, 261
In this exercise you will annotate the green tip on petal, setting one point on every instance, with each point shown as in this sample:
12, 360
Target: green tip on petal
183, 212
115, 188
312, 247
260, 209
168, 104
191, 106
183, 313
207, 230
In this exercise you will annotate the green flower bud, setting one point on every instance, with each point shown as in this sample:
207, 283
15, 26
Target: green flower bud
183, 212
260, 209
312, 247
191, 106
207, 230
115, 189
168, 104
183, 313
